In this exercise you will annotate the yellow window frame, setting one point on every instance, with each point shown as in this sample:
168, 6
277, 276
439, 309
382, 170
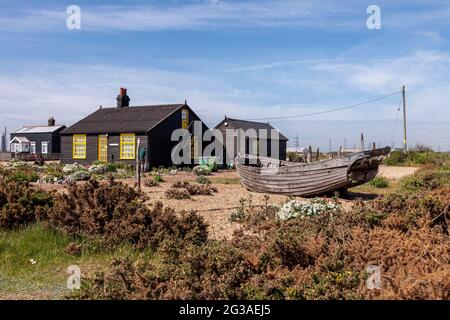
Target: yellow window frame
79, 146
127, 140
184, 118
103, 148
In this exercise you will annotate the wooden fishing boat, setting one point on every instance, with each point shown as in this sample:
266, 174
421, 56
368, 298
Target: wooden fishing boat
267, 175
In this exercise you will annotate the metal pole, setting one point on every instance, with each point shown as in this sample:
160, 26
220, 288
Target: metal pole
405, 145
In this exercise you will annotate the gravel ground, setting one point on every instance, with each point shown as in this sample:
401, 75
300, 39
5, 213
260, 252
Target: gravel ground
216, 209
396, 173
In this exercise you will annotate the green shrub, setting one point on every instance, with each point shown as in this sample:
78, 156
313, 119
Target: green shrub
195, 189
114, 213
379, 182
158, 178
419, 156
151, 183
20, 204
23, 177
177, 193
80, 175
111, 167
203, 180
374, 218
425, 179
294, 156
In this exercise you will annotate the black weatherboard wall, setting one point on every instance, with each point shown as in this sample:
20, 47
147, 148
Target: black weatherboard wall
235, 124
53, 140
160, 144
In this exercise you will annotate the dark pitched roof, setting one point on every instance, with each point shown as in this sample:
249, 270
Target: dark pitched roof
126, 119
245, 125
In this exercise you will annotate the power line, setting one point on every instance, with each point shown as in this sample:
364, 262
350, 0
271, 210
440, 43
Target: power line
331, 110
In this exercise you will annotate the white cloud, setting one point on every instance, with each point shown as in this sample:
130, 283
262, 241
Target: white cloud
225, 15
432, 36
69, 92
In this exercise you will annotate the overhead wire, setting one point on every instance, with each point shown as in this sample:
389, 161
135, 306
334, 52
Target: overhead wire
330, 110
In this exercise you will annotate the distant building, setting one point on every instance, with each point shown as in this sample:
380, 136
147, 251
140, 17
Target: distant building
252, 145
297, 150
3, 142
43, 140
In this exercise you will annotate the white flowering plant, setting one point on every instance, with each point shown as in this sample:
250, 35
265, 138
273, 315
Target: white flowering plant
71, 168
98, 168
306, 208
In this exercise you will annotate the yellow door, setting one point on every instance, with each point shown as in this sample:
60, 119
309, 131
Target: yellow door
103, 148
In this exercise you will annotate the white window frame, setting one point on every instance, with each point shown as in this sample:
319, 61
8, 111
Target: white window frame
44, 143
33, 147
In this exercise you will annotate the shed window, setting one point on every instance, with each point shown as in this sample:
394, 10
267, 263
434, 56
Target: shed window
33, 147
79, 146
44, 147
127, 146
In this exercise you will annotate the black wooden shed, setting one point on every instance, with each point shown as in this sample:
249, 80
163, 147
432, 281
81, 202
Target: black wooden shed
252, 144
41, 140
111, 134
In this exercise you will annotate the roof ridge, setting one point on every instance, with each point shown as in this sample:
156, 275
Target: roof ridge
144, 106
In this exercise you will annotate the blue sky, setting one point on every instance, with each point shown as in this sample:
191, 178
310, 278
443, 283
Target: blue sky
245, 59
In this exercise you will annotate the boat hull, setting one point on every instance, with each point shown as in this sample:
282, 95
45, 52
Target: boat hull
267, 175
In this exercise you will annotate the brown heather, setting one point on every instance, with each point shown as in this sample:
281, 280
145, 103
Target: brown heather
323, 257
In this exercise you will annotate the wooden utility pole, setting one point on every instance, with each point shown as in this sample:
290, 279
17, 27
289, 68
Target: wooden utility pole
297, 143
362, 142
405, 144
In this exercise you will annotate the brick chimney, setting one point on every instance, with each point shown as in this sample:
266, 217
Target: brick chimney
122, 99
51, 122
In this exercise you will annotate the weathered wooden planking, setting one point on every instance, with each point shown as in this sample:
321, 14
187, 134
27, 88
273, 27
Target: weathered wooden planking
280, 177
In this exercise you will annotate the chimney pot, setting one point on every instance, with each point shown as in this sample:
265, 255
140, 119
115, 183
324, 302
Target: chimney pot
122, 99
51, 122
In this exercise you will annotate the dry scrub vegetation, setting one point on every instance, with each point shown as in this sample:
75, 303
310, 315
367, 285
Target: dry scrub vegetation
324, 256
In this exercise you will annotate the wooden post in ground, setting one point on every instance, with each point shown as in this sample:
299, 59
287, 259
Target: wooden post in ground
309, 154
317, 154
374, 146
340, 151
138, 165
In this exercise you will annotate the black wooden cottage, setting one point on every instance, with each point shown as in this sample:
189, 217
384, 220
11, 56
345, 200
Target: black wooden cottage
37, 140
252, 145
111, 134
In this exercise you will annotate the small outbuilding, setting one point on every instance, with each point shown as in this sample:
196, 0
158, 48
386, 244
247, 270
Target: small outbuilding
253, 144
37, 140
